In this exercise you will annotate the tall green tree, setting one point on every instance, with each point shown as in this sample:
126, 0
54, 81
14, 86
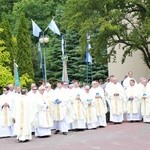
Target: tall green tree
53, 59
113, 22
5, 73
41, 11
76, 55
77, 66
24, 52
6, 7
9, 42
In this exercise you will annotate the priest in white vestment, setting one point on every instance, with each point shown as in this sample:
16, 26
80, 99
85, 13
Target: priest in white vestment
12, 93
126, 81
43, 115
100, 103
144, 97
6, 109
90, 107
69, 111
116, 99
107, 88
133, 103
60, 109
22, 117
49, 94
33, 96
79, 122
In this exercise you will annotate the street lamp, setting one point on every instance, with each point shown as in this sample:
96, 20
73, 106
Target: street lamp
43, 40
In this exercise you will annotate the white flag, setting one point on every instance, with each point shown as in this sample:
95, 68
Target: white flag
62, 45
54, 27
89, 46
36, 29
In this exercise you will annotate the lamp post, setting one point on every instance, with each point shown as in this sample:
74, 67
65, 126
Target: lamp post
43, 40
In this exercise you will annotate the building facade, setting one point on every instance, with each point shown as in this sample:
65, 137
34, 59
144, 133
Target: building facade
132, 63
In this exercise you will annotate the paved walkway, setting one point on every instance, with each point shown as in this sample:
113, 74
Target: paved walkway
127, 136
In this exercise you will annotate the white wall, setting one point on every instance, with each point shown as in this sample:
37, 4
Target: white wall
134, 63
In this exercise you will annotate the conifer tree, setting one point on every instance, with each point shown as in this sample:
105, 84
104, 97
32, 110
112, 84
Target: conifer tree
5, 73
7, 37
24, 58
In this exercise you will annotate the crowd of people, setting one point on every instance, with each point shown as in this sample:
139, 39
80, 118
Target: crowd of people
71, 107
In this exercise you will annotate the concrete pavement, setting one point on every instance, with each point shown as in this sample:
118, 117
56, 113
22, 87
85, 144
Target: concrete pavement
125, 136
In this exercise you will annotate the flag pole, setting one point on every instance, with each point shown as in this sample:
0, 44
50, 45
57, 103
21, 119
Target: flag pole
87, 62
45, 73
16, 75
92, 72
43, 40
64, 61
87, 68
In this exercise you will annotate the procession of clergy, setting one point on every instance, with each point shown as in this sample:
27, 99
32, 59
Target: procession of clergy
70, 107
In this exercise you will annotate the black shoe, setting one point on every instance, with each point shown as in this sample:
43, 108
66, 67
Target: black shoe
64, 133
132, 121
94, 128
81, 129
22, 141
78, 130
137, 121
45, 136
26, 141
6, 137
56, 132
101, 126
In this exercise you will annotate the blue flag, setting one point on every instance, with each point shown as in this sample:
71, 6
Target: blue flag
36, 29
88, 57
54, 27
40, 51
16, 75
